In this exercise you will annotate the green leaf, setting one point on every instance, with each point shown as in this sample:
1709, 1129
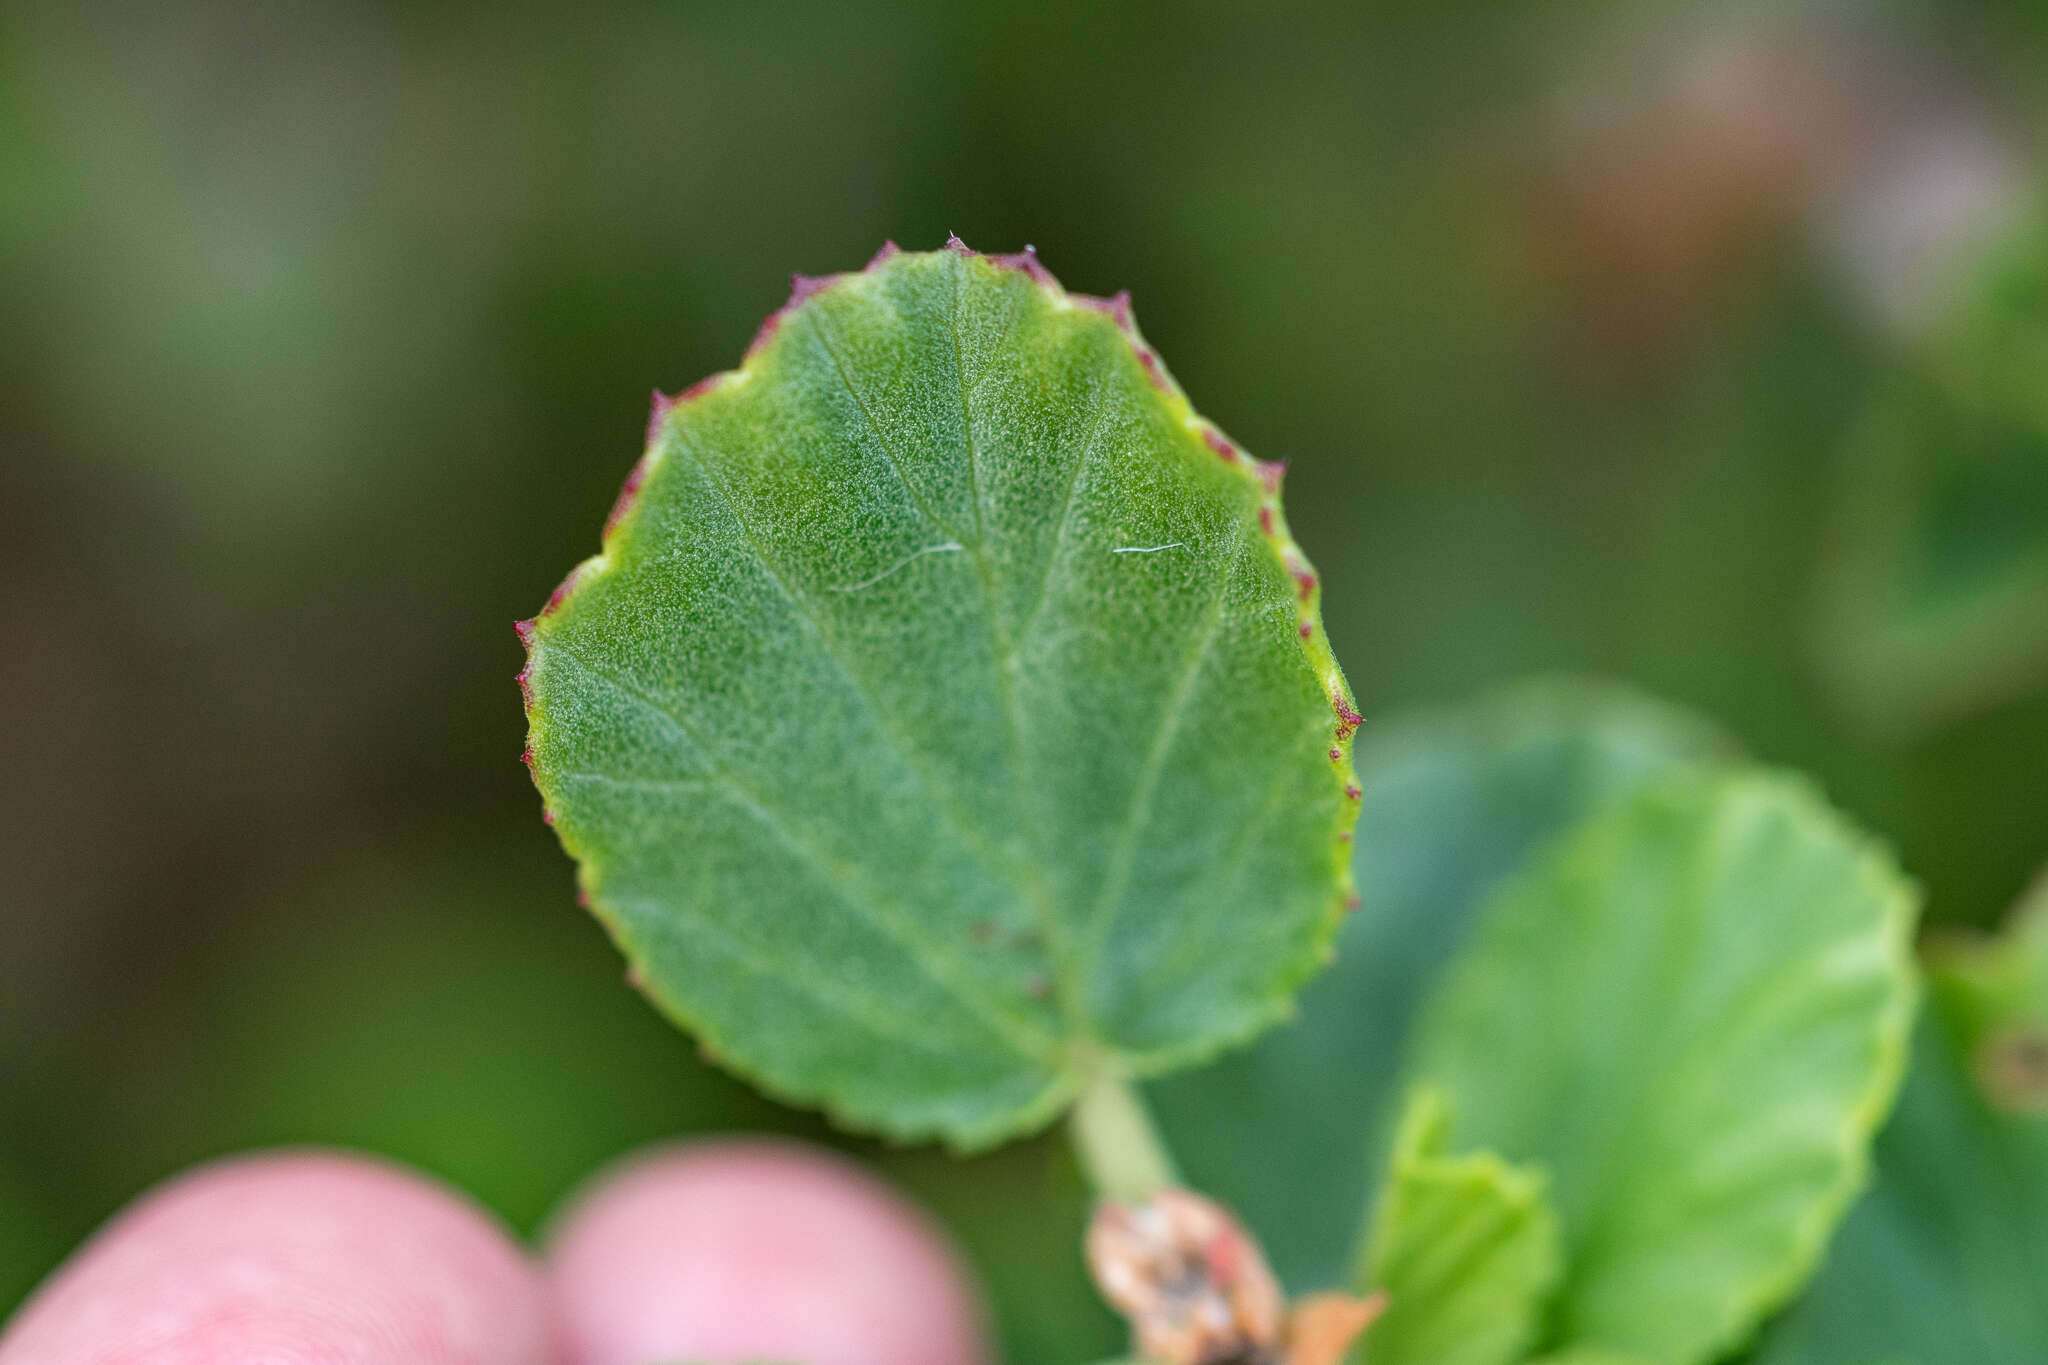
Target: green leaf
1945, 1261
1993, 993
1933, 601
1693, 1013
948, 719
1455, 798
1465, 1247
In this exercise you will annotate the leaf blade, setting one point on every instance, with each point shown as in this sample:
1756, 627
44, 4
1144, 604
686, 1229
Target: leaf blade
1700, 1077
1454, 800
915, 694
1945, 1261
1465, 1247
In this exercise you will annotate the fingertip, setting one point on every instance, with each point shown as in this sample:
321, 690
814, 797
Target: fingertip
307, 1257
742, 1250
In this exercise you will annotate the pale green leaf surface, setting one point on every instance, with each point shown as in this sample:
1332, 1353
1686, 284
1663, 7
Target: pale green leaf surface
948, 718
1945, 1261
1466, 1248
1289, 1131
1693, 1014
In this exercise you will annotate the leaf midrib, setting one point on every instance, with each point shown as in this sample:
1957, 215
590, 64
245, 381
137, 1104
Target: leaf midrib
1027, 878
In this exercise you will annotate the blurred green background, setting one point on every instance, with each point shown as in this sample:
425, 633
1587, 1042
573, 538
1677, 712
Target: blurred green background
1623, 339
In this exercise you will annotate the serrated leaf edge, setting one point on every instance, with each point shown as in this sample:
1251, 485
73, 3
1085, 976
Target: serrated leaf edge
1093, 1063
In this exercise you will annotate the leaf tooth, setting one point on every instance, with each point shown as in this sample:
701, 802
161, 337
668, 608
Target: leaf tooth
629, 491
801, 288
1227, 450
1117, 307
657, 413
525, 681
567, 587
1028, 262
706, 385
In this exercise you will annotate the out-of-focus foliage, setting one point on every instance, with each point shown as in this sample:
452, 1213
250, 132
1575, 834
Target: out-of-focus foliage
1465, 1247
1692, 1015
1934, 601
1290, 1130
1945, 1262
1635, 880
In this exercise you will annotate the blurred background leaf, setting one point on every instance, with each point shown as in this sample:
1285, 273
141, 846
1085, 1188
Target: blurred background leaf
1466, 1249
331, 329
1934, 602
1946, 1259
1454, 800
1693, 1015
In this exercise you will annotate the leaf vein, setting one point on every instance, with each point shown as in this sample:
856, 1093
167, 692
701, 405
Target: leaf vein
1018, 1033
1116, 880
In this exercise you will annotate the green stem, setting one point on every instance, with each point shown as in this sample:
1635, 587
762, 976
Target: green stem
1119, 1148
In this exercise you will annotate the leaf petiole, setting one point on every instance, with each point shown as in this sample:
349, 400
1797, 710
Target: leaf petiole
1119, 1148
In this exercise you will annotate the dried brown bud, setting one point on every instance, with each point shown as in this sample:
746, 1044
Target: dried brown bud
1194, 1285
